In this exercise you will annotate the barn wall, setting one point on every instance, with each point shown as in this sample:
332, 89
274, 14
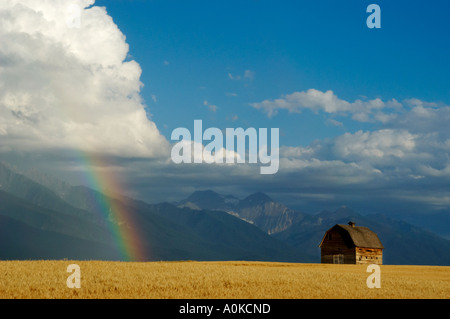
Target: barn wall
369, 255
327, 255
336, 245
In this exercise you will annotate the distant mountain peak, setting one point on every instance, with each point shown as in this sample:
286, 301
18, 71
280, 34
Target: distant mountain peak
343, 212
203, 195
207, 199
257, 198
205, 191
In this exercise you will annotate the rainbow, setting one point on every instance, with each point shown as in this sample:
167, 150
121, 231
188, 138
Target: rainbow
122, 227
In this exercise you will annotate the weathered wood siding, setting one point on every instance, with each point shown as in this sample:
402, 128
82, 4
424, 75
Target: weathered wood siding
336, 244
369, 255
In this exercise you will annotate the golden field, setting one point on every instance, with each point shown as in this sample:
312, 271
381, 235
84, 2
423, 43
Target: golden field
218, 280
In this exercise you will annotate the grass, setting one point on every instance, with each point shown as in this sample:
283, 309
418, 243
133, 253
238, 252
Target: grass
218, 280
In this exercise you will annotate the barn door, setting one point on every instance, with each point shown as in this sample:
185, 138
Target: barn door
338, 259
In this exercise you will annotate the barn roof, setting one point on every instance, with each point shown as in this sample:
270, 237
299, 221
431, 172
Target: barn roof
359, 235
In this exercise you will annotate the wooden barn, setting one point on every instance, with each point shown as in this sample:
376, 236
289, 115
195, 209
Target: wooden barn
351, 244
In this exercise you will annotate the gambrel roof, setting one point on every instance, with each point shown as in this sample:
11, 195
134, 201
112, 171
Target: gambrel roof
360, 236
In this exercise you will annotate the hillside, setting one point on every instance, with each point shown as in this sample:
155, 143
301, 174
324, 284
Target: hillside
20, 241
43, 224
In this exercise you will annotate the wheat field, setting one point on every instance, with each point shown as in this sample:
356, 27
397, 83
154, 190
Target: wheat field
218, 280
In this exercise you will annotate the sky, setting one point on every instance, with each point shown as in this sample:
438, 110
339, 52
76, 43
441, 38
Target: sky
363, 113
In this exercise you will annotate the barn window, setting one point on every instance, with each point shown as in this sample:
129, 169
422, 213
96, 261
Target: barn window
329, 236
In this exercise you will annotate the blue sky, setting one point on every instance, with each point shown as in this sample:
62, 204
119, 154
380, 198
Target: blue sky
188, 49
363, 113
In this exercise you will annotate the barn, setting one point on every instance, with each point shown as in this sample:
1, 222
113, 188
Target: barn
351, 244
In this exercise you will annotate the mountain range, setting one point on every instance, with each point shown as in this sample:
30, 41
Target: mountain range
257, 209
44, 218
43, 221
404, 243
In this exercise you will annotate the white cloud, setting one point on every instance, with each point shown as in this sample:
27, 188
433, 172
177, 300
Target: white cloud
372, 145
249, 74
315, 101
416, 102
422, 119
392, 154
335, 122
212, 107
69, 86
